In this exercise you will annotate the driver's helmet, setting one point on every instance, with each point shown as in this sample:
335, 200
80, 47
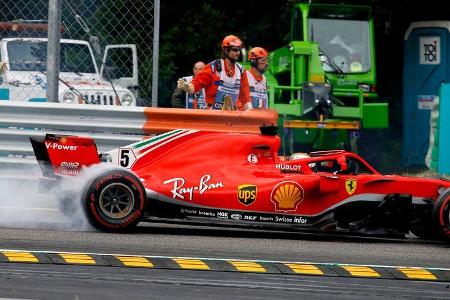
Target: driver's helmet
298, 155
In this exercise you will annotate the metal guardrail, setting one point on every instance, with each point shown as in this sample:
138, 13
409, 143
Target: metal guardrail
72, 117
110, 126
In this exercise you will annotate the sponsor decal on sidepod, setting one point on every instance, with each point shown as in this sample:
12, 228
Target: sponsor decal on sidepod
287, 195
179, 190
246, 193
236, 216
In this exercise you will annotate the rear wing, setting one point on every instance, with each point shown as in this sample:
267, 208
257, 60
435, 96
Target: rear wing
64, 154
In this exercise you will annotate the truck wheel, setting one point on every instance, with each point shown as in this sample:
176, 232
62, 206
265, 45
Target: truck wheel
114, 201
441, 214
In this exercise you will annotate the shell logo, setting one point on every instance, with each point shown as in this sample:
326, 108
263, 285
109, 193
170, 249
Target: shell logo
287, 195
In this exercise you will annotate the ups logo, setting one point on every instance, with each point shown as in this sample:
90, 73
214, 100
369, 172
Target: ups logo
247, 194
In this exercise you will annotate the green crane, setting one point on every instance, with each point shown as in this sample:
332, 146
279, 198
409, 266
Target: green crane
326, 77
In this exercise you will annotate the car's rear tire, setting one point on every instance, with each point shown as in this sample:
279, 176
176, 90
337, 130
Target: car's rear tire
441, 214
114, 200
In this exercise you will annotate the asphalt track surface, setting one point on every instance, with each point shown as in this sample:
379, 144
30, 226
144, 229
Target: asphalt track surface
213, 242
20, 281
31, 281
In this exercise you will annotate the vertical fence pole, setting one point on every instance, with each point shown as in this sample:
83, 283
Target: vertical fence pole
155, 54
53, 46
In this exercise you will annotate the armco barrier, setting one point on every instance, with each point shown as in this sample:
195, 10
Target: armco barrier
111, 127
166, 119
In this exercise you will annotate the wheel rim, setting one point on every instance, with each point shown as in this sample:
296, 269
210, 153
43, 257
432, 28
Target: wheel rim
116, 200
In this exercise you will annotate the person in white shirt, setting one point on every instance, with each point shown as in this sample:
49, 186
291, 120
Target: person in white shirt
181, 99
259, 62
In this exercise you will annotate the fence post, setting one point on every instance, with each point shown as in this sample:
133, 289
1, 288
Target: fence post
53, 47
155, 64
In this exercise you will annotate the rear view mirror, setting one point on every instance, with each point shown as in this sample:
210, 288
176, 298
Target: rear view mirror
343, 164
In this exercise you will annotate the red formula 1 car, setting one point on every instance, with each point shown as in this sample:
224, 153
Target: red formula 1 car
240, 179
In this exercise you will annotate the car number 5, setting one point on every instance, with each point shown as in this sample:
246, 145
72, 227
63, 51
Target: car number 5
126, 157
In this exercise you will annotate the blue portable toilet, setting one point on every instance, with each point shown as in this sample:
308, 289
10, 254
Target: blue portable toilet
425, 67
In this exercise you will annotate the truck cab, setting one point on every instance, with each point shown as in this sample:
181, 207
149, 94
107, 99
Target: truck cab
331, 44
23, 76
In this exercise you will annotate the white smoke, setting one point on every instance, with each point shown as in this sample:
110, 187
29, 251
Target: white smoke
28, 202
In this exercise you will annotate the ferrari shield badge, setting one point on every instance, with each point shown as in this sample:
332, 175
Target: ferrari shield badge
350, 186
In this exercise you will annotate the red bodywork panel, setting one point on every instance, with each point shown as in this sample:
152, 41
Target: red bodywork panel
243, 172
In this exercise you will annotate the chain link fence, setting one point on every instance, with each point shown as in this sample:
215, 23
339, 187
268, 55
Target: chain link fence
123, 29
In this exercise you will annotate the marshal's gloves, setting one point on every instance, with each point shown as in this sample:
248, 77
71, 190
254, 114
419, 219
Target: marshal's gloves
187, 87
2, 66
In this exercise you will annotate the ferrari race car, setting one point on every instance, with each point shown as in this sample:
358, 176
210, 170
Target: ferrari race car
239, 179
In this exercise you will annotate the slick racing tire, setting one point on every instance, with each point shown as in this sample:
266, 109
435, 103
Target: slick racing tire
441, 214
114, 200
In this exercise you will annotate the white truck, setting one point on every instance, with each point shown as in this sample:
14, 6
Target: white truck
23, 75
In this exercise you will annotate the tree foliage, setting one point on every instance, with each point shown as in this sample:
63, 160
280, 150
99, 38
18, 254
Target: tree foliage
193, 31
189, 32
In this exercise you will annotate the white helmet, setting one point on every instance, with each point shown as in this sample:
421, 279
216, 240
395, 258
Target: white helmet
299, 155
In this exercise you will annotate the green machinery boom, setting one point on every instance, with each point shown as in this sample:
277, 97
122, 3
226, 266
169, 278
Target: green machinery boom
326, 73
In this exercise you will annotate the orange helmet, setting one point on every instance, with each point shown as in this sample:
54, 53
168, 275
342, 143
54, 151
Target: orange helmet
231, 41
257, 52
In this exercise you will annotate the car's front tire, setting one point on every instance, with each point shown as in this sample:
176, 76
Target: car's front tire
114, 200
441, 214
